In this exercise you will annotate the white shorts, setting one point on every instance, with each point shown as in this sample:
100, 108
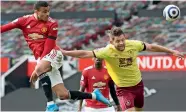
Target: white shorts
107, 109
56, 59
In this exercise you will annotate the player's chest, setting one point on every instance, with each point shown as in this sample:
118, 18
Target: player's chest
98, 77
124, 59
32, 27
127, 53
98, 82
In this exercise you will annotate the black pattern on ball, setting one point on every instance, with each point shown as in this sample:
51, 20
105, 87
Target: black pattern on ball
169, 10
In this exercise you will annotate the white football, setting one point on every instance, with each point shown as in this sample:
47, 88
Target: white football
171, 12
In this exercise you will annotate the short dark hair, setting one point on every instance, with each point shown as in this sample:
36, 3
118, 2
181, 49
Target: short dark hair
116, 31
40, 4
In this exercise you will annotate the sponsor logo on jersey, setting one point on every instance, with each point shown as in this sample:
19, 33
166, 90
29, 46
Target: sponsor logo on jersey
35, 36
125, 62
99, 84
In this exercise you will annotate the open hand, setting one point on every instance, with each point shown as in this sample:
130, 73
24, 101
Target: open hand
178, 54
33, 79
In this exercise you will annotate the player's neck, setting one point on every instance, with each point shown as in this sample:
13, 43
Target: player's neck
36, 17
98, 68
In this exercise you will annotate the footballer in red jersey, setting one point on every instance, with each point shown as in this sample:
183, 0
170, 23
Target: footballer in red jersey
96, 76
40, 32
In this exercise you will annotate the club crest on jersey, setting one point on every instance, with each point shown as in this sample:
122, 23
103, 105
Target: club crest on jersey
128, 103
105, 77
44, 29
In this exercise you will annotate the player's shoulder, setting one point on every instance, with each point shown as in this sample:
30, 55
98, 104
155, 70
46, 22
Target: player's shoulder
88, 68
110, 47
51, 20
27, 16
23, 19
132, 41
105, 67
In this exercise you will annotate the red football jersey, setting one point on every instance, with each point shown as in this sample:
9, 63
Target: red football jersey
36, 32
92, 79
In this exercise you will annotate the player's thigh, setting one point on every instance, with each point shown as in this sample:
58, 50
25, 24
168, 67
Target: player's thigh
52, 60
139, 98
55, 57
126, 101
43, 66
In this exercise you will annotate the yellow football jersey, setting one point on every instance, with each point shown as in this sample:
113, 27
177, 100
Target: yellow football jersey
122, 65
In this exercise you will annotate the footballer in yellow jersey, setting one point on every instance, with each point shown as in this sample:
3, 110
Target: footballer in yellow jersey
121, 61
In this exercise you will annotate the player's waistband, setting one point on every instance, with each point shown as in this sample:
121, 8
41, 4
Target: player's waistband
140, 84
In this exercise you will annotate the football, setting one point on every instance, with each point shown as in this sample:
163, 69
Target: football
171, 12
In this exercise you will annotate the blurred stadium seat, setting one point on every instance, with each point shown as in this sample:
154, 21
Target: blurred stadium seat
84, 33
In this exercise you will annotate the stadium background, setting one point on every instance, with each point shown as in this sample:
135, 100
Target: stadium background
82, 25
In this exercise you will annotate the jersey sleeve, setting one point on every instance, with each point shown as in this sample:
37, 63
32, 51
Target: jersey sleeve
139, 45
19, 22
101, 53
84, 78
53, 31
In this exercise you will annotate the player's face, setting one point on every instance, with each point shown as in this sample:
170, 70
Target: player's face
119, 42
98, 63
43, 13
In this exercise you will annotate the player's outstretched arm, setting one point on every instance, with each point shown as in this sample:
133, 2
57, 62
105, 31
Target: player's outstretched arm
158, 48
8, 27
79, 53
17, 23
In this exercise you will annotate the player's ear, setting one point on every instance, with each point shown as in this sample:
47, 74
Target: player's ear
125, 36
35, 11
111, 40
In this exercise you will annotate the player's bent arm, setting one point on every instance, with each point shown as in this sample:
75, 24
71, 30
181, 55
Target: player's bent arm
82, 89
50, 42
48, 46
79, 53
